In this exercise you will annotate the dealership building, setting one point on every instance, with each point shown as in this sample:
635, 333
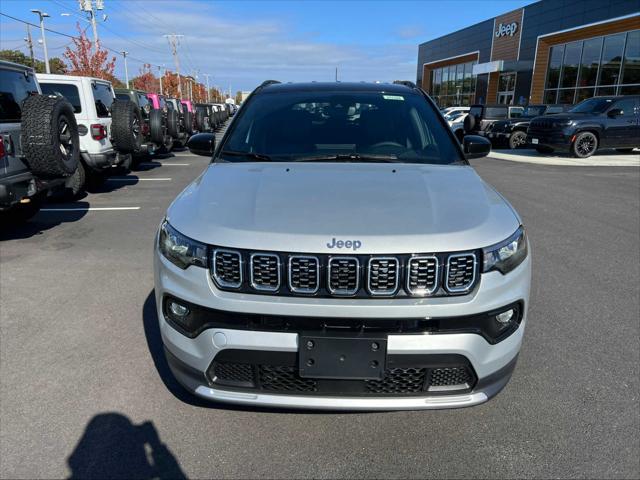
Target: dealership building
552, 51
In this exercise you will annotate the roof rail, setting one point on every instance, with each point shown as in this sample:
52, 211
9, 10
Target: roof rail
406, 83
267, 83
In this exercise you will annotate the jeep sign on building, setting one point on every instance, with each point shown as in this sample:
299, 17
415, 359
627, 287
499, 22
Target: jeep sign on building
552, 51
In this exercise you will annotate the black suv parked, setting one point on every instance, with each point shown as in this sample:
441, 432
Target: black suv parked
481, 116
598, 122
39, 143
130, 128
512, 132
184, 128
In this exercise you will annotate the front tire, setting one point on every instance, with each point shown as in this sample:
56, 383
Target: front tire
517, 139
585, 145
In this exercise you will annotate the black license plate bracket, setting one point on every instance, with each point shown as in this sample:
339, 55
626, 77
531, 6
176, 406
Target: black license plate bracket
342, 358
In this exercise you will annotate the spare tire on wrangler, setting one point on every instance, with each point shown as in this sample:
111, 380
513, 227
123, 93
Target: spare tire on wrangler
156, 126
173, 126
126, 126
200, 120
469, 123
49, 137
188, 122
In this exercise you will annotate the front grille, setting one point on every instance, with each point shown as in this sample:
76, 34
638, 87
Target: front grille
227, 268
284, 379
344, 275
399, 380
461, 272
383, 275
359, 276
304, 274
449, 378
422, 378
422, 277
265, 271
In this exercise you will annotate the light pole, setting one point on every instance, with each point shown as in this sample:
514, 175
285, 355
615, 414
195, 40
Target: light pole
126, 70
208, 93
160, 77
42, 16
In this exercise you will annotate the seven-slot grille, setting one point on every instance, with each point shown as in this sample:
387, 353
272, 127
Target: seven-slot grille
304, 274
422, 276
265, 271
227, 268
382, 278
344, 275
361, 276
461, 272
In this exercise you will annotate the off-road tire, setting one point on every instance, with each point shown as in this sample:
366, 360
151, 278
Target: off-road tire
469, 123
517, 139
126, 126
173, 123
188, 122
585, 145
200, 120
544, 149
49, 137
156, 126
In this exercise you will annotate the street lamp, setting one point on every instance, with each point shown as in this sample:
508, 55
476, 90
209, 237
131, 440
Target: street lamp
42, 16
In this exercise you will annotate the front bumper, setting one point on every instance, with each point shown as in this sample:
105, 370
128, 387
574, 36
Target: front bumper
190, 358
553, 139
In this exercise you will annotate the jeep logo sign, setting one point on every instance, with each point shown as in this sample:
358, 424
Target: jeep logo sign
351, 244
508, 29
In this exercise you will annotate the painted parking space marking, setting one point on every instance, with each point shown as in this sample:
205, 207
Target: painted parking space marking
159, 164
88, 209
136, 179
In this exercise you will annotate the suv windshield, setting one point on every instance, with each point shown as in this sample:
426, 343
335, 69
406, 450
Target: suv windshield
15, 87
345, 126
592, 105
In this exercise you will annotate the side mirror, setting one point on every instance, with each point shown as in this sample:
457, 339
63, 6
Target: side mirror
475, 146
614, 112
202, 144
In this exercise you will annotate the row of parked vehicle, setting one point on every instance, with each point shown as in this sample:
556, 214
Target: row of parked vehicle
69, 133
582, 129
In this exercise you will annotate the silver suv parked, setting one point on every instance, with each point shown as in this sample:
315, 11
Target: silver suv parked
340, 253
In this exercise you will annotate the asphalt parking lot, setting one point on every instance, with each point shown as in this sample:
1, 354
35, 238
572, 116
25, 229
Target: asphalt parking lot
85, 391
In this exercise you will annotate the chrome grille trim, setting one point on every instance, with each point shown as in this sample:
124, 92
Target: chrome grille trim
339, 291
252, 279
379, 292
216, 278
469, 284
422, 292
290, 275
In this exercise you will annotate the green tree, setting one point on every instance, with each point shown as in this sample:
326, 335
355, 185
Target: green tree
16, 56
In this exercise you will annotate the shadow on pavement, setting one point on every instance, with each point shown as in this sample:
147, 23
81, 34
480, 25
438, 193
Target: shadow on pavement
113, 447
42, 221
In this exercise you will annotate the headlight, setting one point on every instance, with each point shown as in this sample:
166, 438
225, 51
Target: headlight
507, 255
561, 123
180, 250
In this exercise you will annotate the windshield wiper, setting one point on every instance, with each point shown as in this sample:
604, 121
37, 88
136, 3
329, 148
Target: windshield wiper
350, 157
260, 157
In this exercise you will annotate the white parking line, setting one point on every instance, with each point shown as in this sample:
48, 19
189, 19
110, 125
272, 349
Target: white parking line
135, 179
87, 209
154, 164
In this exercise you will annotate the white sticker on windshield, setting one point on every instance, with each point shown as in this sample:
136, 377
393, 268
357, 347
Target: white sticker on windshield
393, 97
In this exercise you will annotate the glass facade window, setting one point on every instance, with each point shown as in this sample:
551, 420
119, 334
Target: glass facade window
453, 85
607, 65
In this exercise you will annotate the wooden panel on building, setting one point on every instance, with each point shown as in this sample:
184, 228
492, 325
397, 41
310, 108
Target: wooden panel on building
545, 43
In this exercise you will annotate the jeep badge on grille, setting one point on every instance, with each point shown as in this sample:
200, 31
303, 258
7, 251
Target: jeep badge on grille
354, 244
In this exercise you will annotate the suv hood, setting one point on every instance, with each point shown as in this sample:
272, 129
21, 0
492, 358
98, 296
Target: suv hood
301, 207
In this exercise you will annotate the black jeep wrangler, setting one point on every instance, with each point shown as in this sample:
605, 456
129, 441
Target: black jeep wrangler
512, 132
39, 143
183, 129
481, 116
131, 127
598, 122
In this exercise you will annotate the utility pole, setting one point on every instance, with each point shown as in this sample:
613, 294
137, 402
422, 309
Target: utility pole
42, 16
208, 93
30, 45
174, 41
160, 77
126, 70
336, 74
87, 6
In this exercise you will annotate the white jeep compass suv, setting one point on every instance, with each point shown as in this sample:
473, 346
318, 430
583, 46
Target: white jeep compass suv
340, 253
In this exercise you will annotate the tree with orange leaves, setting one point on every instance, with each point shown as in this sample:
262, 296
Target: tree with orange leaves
170, 84
87, 62
146, 81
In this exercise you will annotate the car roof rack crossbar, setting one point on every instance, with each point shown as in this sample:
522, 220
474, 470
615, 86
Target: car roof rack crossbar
266, 83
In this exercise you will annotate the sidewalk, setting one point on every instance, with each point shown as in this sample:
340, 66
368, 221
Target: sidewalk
606, 158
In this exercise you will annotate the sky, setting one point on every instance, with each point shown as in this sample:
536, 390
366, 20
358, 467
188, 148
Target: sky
241, 43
